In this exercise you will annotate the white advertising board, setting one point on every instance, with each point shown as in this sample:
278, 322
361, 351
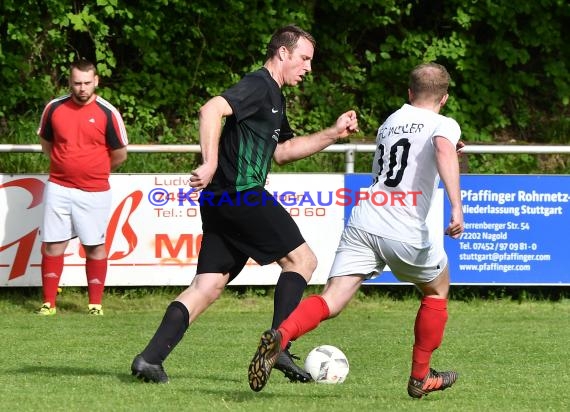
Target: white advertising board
151, 243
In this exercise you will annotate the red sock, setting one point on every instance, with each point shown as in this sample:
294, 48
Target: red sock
96, 271
306, 317
52, 267
428, 331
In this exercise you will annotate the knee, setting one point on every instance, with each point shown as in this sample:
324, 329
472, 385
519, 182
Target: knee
216, 293
204, 290
311, 262
54, 249
211, 294
302, 260
438, 287
307, 265
95, 252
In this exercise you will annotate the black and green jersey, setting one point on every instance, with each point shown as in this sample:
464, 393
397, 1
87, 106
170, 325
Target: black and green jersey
250, 135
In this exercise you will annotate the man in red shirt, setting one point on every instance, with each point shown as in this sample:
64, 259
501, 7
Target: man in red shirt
85, 139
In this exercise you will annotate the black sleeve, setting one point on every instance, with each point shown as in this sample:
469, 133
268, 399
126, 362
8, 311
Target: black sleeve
246, 97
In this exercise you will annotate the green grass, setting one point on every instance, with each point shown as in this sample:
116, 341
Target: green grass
512, 356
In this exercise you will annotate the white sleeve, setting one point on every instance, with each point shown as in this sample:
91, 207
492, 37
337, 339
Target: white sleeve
449, 129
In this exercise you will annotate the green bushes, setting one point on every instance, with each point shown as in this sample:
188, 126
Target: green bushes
160, 60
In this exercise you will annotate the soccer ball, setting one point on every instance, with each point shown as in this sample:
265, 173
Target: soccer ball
327, 364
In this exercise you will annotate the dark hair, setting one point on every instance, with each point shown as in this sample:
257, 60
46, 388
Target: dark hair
83, 65
429, 80
287, 36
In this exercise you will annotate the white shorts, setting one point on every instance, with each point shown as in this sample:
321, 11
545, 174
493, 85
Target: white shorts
70, 213
362, 253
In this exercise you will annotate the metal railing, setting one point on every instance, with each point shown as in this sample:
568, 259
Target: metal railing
350, 150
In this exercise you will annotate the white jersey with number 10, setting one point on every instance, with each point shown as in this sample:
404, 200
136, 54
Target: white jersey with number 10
405, 175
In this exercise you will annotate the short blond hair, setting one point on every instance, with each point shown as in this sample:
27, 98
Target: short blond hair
429, 81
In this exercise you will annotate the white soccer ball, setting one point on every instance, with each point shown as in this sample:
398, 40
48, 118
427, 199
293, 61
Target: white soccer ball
327, 364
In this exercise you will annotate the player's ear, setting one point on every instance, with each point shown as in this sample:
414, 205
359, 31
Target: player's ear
444, 99
96, 80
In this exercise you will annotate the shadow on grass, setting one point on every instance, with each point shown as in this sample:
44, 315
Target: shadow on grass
247, 395
61, 371
201, 383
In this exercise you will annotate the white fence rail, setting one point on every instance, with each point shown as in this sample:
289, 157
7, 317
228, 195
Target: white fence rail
350, 150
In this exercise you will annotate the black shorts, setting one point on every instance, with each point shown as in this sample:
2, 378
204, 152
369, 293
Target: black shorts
243, 225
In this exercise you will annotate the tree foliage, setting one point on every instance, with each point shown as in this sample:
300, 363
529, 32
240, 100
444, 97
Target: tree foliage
159, 60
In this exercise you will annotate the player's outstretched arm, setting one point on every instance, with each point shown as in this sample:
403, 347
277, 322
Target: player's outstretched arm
300, 147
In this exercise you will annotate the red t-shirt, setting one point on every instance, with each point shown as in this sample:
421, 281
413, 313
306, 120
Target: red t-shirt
81, 138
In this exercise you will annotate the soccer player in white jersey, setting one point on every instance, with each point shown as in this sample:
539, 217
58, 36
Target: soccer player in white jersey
416, 147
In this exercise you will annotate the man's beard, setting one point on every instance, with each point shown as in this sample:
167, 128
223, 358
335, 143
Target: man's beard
82, 98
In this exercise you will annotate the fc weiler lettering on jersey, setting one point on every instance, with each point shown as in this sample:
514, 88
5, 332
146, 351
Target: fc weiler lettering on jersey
407, 128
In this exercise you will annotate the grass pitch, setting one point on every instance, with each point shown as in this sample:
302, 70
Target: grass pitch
511, 356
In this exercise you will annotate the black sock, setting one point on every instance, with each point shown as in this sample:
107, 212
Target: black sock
288, 293
171, 330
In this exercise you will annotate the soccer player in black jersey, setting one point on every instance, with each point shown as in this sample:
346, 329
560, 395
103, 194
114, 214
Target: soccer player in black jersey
235, 162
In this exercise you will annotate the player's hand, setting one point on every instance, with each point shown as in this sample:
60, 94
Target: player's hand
202, 176
460, 145
347, 124
456, 225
